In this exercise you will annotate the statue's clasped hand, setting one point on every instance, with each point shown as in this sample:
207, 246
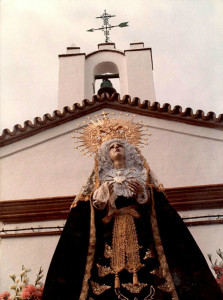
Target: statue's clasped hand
135, 187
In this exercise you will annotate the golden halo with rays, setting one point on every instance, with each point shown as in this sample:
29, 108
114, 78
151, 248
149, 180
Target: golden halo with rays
93, 134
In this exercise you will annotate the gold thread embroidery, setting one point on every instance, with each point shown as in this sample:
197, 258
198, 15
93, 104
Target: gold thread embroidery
158, 272
103, 271
165, 287
160, 251
125, 247
141, 266
151, 294
90, 257
99, 289
147, 168
120, 296
80, 198
160, 188
91, 137
85, 198
134, 289
108, 251
148, 254
125, 242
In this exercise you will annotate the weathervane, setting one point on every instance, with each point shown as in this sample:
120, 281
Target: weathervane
106, 26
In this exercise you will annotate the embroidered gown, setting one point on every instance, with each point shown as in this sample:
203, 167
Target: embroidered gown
126, 264
159, 251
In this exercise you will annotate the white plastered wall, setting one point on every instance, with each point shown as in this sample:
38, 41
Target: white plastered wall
140, 74
46, 165
93, 61
71, 80
77, 71
32, 252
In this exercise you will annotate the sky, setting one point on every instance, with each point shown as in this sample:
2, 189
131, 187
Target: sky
186, 38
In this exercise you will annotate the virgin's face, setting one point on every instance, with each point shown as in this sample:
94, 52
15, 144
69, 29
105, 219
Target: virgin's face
116, 151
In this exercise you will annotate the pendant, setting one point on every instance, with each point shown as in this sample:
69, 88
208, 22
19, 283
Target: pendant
119, 179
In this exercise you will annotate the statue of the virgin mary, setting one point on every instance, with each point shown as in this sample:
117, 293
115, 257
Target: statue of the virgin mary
122, 239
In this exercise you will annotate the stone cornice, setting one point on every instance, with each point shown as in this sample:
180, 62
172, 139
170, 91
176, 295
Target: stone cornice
57, 208
71, 54
106, 44
105, 50
127, 104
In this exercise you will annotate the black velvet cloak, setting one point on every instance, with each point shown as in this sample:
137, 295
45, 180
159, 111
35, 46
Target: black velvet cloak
190, 273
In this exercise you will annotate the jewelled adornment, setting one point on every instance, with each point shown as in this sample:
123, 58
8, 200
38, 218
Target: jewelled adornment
122, 176
91, 136
134, 289
119, 179
99, 289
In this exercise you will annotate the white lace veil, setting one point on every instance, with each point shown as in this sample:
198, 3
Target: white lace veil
133, 158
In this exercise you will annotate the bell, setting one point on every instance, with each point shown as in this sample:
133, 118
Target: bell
106, 87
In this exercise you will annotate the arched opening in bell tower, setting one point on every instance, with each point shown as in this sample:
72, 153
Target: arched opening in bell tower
106, 71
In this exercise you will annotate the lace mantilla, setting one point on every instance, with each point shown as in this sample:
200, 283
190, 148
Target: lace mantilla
121, 178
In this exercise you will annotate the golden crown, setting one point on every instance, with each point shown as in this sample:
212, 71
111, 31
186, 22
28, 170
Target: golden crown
93, 134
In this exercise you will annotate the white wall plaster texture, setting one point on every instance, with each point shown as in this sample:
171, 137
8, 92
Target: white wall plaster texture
46, 165
32, 252
77, 74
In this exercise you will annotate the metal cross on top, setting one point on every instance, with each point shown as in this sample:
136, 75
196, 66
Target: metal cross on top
106, 26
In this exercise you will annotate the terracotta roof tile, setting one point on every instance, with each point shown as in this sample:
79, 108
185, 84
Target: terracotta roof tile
105, 101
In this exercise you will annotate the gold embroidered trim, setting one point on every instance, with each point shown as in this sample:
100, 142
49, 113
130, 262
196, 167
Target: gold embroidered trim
151, 293
99, 289
134, 289
131, 210
125, 248
160, 188
120, 296
103, 271
158, 272
80, 198
85, 197
86, 190
107, 251
160, 252
97, 181
148, 254
165, 287
90, 257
